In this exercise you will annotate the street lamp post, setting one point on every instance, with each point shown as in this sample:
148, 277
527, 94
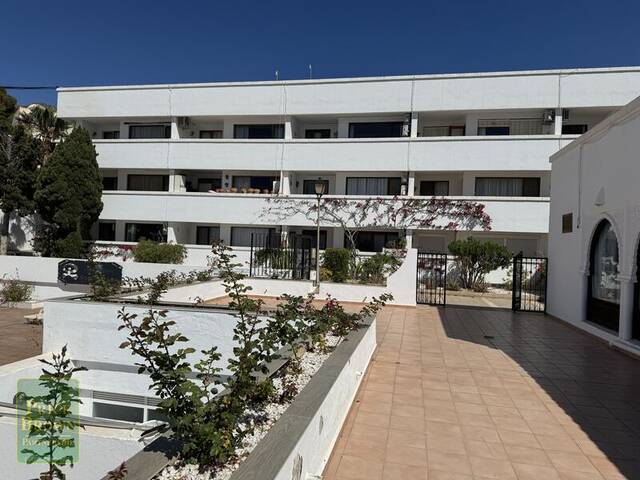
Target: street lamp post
319, 187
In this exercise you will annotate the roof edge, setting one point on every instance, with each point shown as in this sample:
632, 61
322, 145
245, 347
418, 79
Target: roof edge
510, 73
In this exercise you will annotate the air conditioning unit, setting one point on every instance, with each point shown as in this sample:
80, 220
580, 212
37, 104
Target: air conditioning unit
184, 122
548, 116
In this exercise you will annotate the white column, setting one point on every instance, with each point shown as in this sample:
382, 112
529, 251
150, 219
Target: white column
471, 124
227, 129
175, 133
172, 232
124, 130
468, 184
557, 126
120, 232
288, 129
227, 180
581, 307
411, 184
409, 238
414, 125
627, 286
285, 183
343, 128
225, 234
338, 237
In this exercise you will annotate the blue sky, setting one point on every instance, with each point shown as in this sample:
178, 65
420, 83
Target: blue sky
73, 42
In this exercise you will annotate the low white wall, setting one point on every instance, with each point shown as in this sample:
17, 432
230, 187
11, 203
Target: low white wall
316, 443
99, 450
90, 329
42, 273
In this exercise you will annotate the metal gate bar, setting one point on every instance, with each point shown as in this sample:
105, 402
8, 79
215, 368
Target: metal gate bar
529, 284
431, 279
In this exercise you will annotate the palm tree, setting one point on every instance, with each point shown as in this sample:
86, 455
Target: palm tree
44, 124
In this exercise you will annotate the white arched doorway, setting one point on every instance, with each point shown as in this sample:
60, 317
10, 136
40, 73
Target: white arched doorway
603, 296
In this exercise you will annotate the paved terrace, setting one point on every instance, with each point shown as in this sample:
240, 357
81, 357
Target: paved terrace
18, 339
462, 394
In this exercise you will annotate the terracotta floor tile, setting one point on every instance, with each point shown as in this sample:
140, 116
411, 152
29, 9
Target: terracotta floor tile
479, 448
571, 461
527, 455
448, 462
358, 468
440, 475
535, 472
442, 442
561, 443
393, 471
405, 455
372, 419
491, 468
408, 424
509, 437
481, 433
408, 439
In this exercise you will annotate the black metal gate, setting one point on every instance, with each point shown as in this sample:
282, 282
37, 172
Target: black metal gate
277, 255
529, 284
431, 280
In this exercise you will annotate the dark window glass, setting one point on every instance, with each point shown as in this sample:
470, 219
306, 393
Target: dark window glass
309, 186
135, 232
317, 133
149, 131
153, 414
111, 135
107, 231
245, 182
567, 223
373, 241
109, 183
439, 188
148, 183
206, 235
210, 133
496, 131
258, 131
603, 305
206, 184
573, 129
376, 129
508, 186
373, 185
118, 412
312, 234
241, 236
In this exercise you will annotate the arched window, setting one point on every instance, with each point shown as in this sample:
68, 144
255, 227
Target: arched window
603, 305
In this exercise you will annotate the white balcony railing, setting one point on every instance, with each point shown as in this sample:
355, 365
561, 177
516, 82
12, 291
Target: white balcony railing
331, 155
508, 214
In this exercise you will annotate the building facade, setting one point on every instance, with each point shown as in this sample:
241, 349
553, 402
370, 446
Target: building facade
594, 231
192, 163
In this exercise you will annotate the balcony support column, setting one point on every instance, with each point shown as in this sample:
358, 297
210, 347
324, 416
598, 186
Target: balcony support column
557, 126
285, 183
414, 125
411, 184
225, 234
408, 236
471, 124
288, 128
175, 133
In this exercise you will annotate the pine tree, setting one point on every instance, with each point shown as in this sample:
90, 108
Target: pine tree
68, 195
19, 159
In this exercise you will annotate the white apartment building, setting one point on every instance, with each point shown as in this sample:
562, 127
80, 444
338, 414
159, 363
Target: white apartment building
191, 163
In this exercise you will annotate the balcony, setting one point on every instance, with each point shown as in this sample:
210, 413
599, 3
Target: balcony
331, 155
508, 214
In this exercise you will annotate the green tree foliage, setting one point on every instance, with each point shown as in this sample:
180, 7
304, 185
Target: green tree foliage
148, 251
337, 261
53, 416
474, 259
19, 160
211, 424
68, 195
43, 123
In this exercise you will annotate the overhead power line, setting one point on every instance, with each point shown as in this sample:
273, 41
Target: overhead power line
28, 87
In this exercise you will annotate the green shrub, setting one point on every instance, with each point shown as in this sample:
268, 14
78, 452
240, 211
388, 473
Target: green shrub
474, 259
336, 260
148, 251
325, 274
13, 291
374, 269
69, 247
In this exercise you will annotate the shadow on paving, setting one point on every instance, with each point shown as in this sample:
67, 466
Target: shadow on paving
596, 388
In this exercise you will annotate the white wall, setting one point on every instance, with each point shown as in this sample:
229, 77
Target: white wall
596, 178
90, 329
518, 90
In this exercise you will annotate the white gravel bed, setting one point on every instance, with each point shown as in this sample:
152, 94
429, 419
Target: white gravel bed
310, 363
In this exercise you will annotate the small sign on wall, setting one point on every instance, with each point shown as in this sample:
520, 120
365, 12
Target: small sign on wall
567, 223
78, 272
